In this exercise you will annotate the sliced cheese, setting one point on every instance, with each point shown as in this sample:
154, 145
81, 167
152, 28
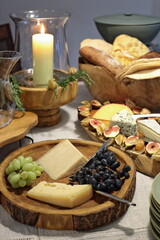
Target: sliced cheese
62, 160
149, 128
61, 194
107, 111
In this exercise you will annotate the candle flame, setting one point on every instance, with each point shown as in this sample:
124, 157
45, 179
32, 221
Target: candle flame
42, 29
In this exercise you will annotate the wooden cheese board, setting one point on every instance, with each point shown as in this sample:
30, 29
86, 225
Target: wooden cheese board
96, 212
18, 128
144, 163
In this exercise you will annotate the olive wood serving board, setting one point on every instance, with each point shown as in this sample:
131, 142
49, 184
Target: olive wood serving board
96, 212
143, 163
18, 128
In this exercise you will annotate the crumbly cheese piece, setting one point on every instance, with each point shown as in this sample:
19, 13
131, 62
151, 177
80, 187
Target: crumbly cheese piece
62, 160
61, 194
125, 121
149, 128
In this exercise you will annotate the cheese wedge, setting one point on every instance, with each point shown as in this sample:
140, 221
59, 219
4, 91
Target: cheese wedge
149, 128
62, 160
107, 111
61, 194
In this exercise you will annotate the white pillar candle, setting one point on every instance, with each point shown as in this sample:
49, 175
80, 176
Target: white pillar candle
42, 55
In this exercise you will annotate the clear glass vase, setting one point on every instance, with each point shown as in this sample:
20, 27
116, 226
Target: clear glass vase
7, 61
28, 23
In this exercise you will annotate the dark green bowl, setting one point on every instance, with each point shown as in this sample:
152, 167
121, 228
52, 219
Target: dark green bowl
143, 27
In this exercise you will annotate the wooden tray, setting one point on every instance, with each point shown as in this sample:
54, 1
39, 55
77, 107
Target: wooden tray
144, 164
96, 212
18, 128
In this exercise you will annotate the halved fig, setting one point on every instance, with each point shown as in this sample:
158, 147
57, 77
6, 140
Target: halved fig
137, 110
95, 104
83, 114
94, 123
140, 145
85, 121
82, 108
112, 131
152, 147
131, 141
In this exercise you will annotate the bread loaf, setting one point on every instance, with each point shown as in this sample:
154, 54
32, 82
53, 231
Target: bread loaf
101, 58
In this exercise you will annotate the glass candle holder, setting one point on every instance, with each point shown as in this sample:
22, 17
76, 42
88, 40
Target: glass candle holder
40, 35
7, 61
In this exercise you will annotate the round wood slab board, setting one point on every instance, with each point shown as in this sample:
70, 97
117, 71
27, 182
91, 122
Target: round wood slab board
18, 128
96, 212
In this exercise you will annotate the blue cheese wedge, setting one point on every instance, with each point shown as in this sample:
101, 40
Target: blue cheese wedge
149, 128
62, 160
125, 121
61, 194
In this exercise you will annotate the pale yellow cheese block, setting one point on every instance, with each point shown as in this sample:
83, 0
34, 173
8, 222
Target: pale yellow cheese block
62, 160
61, 194
149, 128
107, 111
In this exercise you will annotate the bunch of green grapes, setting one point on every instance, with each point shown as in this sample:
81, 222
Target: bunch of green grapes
22, 171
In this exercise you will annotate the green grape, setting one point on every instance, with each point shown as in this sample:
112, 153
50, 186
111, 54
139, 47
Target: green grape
22, 160
24, 174
38, 173
15, 185
10, 168
27, 167
31, 175
22, 183
40, 168
15, 178
7, 171
16, 164
28, 159
10, 175
29, 182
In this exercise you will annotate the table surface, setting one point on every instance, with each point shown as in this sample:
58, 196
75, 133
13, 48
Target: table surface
134, 224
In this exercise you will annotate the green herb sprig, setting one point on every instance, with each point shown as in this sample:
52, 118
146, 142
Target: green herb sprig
16, 91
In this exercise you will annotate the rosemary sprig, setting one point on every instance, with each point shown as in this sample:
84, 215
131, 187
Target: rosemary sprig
16, 91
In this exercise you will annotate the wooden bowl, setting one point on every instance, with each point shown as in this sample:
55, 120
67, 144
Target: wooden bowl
96, 212
44, 102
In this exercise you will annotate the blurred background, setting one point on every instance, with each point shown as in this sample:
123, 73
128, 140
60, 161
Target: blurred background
81, 24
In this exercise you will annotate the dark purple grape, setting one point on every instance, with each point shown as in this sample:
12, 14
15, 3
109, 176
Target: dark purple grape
111, 160
96, 176
126, 168
93, 182
101, 186
81, 180
112, 176
101, 173
99, 168
86, 178
80, 173
97, 162
108, 182
104, 162
106, 176
110, 188
126, 175
118, 184
99, 155
120, 173
92, 166
115, 165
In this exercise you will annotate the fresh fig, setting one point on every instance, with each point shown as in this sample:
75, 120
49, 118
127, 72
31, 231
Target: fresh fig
137, 110
112, 131
82, 108
95, 104
83, 114
140, 146
152, 147
131, 141
94, 123
85, 121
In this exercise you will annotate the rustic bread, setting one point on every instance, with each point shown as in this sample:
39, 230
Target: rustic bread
98, 44
101, 58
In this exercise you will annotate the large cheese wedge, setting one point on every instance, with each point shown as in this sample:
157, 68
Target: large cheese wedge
61, 194
149, 128
62, 160
107, 111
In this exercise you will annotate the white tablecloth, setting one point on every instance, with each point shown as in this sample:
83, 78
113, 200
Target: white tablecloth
133, 225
